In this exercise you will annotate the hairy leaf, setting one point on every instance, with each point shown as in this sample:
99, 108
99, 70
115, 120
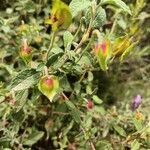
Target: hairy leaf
24, 80
118, 3
77, 6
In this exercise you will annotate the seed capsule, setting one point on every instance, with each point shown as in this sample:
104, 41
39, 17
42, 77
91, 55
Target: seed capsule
49, 86
89, 104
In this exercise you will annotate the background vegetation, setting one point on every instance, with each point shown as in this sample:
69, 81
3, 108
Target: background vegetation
92, 109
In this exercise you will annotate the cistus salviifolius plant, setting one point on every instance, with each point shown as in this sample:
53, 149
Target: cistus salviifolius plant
69, 70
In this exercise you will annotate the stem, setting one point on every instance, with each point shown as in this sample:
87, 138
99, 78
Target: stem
115, 22
92, 145
78, 30
84, 50
51, 44
45, 70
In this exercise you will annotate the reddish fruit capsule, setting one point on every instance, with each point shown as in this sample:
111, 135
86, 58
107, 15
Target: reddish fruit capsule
49, 86
89, 104
48, 83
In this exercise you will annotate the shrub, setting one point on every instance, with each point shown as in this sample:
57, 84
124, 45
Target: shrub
67, 80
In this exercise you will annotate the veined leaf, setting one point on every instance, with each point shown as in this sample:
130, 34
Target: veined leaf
127, 51
118, 3
33, 137
135, 145
77, 6
74, 111
120, 130
68, 37
21, 99
24, 80
100, 18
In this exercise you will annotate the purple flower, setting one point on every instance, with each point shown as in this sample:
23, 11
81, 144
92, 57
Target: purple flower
136, 102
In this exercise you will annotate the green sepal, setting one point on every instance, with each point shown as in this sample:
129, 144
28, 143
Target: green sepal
103, 58
49, 92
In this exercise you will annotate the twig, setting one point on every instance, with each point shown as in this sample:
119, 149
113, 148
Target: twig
84, 50
51, 44
92, 145
60, 113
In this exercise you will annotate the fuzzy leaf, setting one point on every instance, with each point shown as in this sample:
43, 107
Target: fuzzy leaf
24, 80
77, 6
135, 145
100, 18
74, 111
21, 99
68, 37
96, 99
118, 3
33, 137
120, 130
127, 51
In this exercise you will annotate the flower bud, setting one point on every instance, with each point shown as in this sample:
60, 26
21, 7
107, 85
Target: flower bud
89, 104
103, 54
139, 116
25, 52
136, 102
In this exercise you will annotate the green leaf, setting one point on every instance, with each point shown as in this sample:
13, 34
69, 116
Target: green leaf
68, 37
137, 124
122, 23
89, 89
56, 50
103, 62
103, 145
118, 3
64, 84
21, 99
85, 60
74, 111
54, 58
100, 18
90, 76
18, 116
135, 145
127, 51
120, 130
77, 6
77, 87
24, 80
97, 100
33, 137
100, 110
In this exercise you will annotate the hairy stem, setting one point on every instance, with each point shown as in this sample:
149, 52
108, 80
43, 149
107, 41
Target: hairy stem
51, 44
